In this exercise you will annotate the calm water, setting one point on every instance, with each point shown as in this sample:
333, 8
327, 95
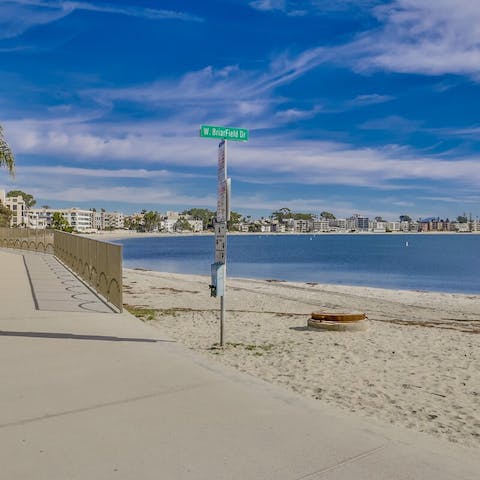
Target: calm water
448, 263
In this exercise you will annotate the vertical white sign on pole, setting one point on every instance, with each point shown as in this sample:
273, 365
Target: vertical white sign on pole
223, 214
219, 268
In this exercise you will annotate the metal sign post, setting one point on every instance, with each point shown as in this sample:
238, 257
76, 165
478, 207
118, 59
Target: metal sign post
223, 215
219, 268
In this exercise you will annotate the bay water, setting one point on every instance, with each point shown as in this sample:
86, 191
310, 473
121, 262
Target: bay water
437, 262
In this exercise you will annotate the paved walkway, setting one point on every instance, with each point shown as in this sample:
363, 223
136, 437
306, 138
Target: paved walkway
91, 395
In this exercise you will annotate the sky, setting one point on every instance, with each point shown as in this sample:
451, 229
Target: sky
352, 106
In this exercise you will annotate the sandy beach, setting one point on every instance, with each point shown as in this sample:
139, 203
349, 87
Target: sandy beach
417, 365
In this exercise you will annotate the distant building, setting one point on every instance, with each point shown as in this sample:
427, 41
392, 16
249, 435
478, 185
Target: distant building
321, 225
18, 209
378, 227
80, 220
357, 222
393, 226
303, 226
339, 223
435, 224
362, 224
108, 220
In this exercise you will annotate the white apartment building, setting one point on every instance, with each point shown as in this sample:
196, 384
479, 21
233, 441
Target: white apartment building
108, 220
17, 207
168, 224
340, 223
321, 225
197, 225
302, 226
462, 227
80, 220
378, 227
394, 226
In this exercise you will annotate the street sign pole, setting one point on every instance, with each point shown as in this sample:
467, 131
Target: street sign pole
219, 268
223, 215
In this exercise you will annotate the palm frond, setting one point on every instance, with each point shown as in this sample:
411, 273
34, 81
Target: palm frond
7, 158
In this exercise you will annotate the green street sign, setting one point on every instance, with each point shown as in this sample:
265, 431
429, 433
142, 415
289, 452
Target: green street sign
227, 133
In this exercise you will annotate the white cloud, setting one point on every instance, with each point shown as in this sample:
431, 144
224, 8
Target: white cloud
295, 114
140, 196
369, 99
17, 16
95, 173
279, 158
432, 37
227, 85
268, 5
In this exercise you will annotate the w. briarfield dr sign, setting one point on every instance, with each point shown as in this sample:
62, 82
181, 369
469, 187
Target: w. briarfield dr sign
225, 133
218, 286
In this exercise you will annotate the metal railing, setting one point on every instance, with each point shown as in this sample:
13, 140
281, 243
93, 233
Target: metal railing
27, 239
98, 263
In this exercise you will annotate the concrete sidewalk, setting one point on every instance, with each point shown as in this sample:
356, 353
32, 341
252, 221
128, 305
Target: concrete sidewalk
90, 395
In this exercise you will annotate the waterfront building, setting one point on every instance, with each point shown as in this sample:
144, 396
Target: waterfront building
302, 226
321, 225
379, 227
36, 220
168, 225
80, 220
18, 209
339, 223
358, 222
461, 227
393, 226
196, 225
362, 223
108, 220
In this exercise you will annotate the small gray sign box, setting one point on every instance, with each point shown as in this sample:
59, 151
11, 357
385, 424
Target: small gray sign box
218, 279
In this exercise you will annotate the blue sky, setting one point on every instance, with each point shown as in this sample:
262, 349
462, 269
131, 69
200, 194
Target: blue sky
352, 105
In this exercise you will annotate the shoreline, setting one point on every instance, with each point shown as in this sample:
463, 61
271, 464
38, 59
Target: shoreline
126, 234
417, 365
299, 282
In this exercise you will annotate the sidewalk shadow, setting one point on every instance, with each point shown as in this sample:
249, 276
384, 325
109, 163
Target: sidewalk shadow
73, 336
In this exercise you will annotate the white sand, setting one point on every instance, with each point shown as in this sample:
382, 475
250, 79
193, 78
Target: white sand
417, 365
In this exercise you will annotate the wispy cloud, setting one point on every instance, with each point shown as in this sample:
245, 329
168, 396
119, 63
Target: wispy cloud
269, 5
369, 99
432, 37
305, 7
125, 173
214, 85
295, 114
391, 123
281, 158
140, 196
17, 16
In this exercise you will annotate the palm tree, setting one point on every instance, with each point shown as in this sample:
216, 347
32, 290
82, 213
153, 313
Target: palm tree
6, 155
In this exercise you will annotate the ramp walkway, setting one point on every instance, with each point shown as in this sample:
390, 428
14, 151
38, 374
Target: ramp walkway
88, 394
